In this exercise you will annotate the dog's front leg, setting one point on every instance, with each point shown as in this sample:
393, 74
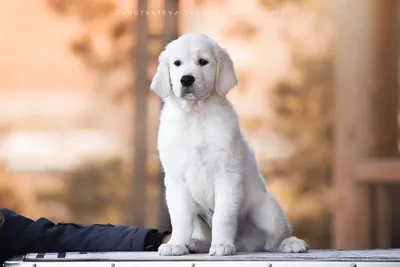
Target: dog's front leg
228, 199
182, 211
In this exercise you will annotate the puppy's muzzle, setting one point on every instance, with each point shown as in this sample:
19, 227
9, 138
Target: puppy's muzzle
187, 91
187, 88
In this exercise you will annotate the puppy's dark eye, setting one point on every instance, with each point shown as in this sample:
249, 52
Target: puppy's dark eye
203, 62
177, 63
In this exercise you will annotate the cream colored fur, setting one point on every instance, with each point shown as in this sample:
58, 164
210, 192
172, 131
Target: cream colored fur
216, 196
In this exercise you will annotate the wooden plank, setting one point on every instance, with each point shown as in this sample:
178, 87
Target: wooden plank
171, 26
378, 171
383, 217
140, 173
365, 110
170, 33
155, 36
346, 228
169, 263
390, 255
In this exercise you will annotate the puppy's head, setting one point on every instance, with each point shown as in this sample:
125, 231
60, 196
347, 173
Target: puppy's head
193, 67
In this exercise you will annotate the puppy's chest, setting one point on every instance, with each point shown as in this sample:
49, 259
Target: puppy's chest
199, 169
190, 146
194, 158
201, 189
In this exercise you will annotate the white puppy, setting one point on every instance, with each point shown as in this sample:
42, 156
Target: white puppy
216, 196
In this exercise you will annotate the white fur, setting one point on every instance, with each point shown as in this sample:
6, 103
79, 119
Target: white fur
217, 198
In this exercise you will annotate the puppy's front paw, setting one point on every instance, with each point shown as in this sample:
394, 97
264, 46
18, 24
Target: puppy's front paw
222, 250
172, 250
293, 245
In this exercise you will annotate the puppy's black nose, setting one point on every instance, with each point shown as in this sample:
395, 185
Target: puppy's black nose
187, 80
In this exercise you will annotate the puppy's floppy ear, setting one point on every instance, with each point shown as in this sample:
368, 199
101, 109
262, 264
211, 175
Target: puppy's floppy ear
161, 83
226, 77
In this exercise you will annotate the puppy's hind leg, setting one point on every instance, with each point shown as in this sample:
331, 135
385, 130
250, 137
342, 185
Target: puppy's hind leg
268, 216
292, 244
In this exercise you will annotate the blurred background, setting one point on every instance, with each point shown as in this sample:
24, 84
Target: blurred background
317, 99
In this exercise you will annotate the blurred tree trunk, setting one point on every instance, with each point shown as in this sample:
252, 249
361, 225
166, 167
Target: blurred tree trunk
170, 33
139, 186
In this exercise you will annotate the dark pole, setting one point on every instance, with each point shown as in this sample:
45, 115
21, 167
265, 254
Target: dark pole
139, 186
170, 33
